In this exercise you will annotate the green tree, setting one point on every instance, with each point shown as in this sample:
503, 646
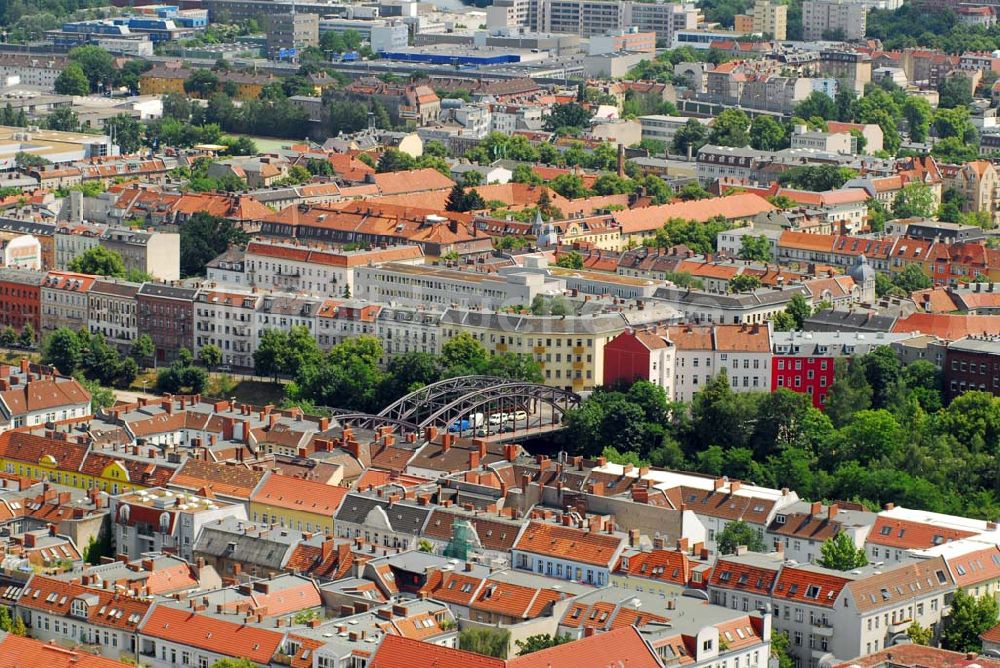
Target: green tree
234, 663
914, 200
799, 309
210, 356
203, 237
817, 104
98, 66
485, 640
202, 83
767, 134
8, 337
100, 546
25, 161
393, 160
72, 81
18, 627
840, 553
690, 137
569, 186
272, 350
142, 348
912, 278
62, 350
779, 649
570, 115
127, 132
849, 393
739, 533
744, 283
969, 618
539, 642
954, 91
99, 261
919, 635
63, 119
731, 128
26, 339
570, 260
818, 178
918, 113
755, 248
5, 621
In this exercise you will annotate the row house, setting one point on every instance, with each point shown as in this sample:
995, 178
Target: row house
701, 352
567, 552
899, 530
166, 313
806, 361
339, 320
160, 520
403, 330
282, 312
800, 529
64, 301
972, 363
67, 611
32, 395
870, 607
20, 298
715, 502
323, 271
978, 183
226, 319
111, 311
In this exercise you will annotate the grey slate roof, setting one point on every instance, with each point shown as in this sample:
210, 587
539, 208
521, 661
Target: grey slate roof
403, 517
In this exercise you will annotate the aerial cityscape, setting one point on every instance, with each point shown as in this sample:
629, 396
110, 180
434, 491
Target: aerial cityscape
499, 334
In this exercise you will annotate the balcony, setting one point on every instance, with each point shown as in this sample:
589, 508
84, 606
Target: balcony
578, 350
900, 626
822, 627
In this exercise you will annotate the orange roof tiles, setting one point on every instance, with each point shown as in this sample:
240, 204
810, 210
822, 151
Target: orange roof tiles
948, 327
56, 597
664, 565
302, 495
738, 575
808, 586
399, 652
911, 656
975, 566
412, 181
732, 207
908, 535
215, 635
225, 479
569, 543
30, 448
44, 394
18, 652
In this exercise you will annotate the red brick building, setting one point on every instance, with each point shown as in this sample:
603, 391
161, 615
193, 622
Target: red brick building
971, 364
20, 298
166, 313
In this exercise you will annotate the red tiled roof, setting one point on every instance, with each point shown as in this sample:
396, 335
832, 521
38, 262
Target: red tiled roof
302, 495
808, 586
18, 652
215, 635
412, 181
569, 543
731, 207
399, 652
55, 597
911, 656
948, 327
738, 575
909, 535
664, 565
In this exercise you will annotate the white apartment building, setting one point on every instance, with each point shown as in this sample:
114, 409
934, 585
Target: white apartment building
157, 520
822, 18
403, 329
319, 271
226, 319
742, 351
663, 128
64, 300
899, 530
284, 311
36, 71
411, 285
111, 311
338, 320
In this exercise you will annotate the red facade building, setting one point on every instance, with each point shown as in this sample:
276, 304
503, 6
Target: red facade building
20, 298
166, 313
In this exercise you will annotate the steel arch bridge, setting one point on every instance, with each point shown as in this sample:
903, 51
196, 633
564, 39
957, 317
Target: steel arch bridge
442, 403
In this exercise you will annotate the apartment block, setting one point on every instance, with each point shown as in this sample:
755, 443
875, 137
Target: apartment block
826, 19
